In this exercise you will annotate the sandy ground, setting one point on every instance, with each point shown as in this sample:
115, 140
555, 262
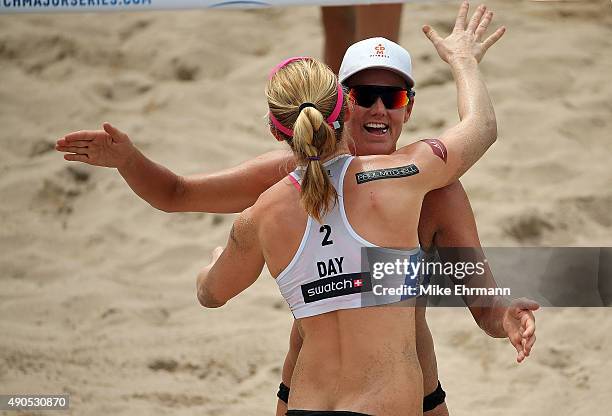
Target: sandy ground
97, 291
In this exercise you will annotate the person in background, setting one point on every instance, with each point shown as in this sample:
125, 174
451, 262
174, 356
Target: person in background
346, 25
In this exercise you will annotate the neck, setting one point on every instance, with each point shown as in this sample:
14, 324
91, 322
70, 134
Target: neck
340, 150
354, 150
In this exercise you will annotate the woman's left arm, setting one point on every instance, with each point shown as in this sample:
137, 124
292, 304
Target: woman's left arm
233, 268
499, 318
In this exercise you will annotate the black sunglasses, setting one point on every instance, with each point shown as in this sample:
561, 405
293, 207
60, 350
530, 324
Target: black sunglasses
392, 97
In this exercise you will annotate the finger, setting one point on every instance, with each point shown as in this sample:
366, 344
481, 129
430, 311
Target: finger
431, 34
527, 318
78, 143
462, 16
529, 328
476, 18
494, 37
87, 135
76, 158
520, 355
116, 134
484, 24
524, 322
516, 342
529, 345
525, 303
72, 149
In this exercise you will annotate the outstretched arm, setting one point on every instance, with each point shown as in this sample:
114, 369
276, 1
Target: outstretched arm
446, 158
456, 227
233, 268
231, 190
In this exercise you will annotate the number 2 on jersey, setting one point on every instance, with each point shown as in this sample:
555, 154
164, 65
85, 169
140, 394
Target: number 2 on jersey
327, 230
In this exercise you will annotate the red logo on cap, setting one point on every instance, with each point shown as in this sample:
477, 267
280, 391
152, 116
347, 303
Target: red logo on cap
379, 51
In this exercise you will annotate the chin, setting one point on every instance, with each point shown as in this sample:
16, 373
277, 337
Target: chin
371, 147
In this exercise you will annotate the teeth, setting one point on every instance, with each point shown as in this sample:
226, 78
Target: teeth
376, 125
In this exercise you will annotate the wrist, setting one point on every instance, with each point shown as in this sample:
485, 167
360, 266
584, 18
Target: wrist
129, 159
500, 321
507, 322
462, 62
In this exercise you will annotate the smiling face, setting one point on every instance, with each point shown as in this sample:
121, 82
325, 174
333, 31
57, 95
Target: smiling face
375, 130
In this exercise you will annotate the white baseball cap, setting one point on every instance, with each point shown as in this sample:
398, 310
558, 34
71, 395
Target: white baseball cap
376, 53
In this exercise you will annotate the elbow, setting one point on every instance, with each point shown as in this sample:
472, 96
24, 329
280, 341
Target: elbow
493, 133
168, 209
491, 129
162, 206
169, 203
211, 305
207, 300
166, 205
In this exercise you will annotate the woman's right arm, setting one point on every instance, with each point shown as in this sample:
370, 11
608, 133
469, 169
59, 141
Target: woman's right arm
230, 190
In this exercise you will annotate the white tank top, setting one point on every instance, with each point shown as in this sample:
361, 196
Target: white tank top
330, 269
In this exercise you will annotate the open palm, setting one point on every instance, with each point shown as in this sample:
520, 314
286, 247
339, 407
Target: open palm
108, 147
465, 41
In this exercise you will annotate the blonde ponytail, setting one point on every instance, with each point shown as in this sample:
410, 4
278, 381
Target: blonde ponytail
313, 137
300, 97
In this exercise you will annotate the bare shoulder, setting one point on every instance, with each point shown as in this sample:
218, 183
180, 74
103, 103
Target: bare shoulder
399, 167
413, 154
272, 203
382, 161
414, 151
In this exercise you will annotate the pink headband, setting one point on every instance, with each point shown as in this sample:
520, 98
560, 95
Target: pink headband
331, 120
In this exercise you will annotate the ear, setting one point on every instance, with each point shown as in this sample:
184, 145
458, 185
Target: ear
408, 109
350, 107
348, 112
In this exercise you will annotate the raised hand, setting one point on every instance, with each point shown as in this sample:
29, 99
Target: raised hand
109, 147
519, 324
466, 40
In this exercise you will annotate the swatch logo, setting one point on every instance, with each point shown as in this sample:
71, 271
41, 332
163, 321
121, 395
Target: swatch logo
379, 51
334, 286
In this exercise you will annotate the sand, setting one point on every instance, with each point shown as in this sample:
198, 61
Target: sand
97, 289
